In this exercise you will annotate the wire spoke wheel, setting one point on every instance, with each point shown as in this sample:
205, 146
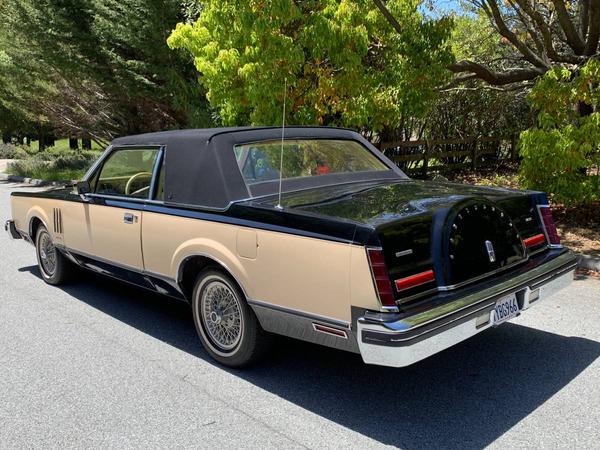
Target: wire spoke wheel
47, 253
221, 315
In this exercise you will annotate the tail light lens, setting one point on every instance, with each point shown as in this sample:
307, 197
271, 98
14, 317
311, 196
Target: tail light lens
381, 278
534, 240
548, 222
415, 280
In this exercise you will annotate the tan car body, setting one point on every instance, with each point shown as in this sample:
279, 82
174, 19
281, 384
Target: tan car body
297, 273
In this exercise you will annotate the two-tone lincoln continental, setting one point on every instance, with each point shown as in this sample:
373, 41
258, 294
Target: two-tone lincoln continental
316, 235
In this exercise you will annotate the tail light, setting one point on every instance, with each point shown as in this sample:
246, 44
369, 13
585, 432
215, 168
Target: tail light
381, 278
534, 240
415, 280
548, 222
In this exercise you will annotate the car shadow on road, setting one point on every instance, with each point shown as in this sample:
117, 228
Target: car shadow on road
464, 397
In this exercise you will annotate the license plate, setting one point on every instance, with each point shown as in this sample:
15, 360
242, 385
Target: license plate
506, 308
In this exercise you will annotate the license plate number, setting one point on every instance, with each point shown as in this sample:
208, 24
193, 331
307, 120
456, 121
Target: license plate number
506, 308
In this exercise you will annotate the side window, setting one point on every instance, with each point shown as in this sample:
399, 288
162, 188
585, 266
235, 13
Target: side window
127, 172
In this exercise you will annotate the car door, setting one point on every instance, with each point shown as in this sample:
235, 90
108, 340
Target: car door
111, 221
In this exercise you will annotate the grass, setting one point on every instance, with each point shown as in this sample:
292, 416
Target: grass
61, 145
48, 173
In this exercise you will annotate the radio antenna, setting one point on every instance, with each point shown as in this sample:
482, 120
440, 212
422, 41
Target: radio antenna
279, 206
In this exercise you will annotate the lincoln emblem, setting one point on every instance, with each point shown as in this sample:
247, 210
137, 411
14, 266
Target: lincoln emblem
490, 251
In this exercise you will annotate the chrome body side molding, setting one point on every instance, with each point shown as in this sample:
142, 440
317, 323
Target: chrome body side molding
305, 326
148, 280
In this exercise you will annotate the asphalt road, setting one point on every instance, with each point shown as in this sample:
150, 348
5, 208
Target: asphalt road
100, 364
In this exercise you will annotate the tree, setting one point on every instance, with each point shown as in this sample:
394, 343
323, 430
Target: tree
343, 63
542, 34
97, 68
470, 108
562, 153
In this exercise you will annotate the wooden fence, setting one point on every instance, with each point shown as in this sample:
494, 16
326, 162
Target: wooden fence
444, 155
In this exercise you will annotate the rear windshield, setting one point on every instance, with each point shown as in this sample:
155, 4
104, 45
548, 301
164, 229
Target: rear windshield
260, 161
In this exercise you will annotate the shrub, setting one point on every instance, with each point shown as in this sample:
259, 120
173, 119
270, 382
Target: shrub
562, 153
54, 166
9, 151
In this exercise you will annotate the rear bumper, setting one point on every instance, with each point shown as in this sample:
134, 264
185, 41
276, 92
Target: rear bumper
9, 227
397, 341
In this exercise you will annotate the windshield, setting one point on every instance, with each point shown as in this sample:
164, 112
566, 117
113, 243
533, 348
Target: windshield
260, 161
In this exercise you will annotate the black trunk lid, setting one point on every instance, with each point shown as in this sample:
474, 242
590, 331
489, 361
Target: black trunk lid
460, 232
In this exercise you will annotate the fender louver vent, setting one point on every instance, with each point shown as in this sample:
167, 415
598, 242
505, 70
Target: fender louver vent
58, 228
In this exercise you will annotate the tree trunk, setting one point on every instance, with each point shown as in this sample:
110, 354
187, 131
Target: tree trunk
50, 140
73, 143
41, 140
86, 143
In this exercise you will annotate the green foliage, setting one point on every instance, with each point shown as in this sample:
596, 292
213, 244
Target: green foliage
54, 166
562, 151
472, 112
9, 151
343, 62
474, 38
95, 68
469, 109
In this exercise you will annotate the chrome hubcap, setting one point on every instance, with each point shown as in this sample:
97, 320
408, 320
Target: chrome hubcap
47, 254
222, 315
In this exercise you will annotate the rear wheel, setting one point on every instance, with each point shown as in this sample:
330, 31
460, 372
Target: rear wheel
227, 326
53, 265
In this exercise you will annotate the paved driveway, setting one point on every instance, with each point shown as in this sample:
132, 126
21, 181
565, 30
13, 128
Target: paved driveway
99, 364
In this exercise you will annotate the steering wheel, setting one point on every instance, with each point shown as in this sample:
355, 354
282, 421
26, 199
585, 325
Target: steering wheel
132, 179
139, 191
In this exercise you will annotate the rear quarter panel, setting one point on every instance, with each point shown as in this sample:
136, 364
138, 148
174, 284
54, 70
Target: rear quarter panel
290, 271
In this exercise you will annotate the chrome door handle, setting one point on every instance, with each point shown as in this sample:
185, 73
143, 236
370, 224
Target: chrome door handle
129, 218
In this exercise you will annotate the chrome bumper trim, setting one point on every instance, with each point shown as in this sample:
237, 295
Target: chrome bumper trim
401, 341
9, 227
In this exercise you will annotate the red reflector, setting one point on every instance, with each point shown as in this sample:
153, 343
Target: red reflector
330, 330
381, 277
534, 240
415, 280
548, 221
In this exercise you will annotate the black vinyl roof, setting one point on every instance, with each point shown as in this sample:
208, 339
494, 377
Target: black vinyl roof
201, 169
164, 137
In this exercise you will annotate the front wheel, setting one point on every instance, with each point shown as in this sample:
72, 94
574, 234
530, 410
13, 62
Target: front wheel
54, 266
228, 328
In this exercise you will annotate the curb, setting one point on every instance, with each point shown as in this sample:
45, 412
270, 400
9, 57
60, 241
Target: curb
33, 181
589, 263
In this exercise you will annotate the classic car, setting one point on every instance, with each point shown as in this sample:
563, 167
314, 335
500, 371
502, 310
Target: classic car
313, 234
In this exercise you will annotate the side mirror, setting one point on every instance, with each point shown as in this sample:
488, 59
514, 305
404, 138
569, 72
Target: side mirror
83, 188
